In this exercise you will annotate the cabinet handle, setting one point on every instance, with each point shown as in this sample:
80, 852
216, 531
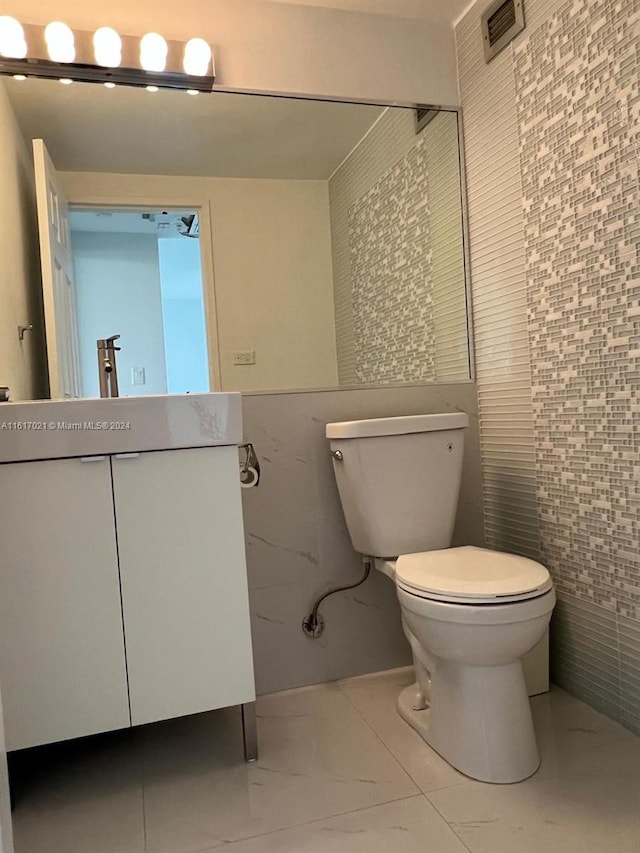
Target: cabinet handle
126, 455
92, 458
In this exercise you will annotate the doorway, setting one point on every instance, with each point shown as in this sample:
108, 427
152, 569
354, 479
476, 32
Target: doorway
138, 274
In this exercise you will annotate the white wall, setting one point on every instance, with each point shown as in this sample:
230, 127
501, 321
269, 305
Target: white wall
22, 365
286, 48
118, 292
271, 248
185, 334
272, 259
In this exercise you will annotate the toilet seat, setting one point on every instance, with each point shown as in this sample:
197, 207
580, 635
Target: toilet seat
471, 575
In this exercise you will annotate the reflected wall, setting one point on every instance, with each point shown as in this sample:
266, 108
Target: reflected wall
332, 239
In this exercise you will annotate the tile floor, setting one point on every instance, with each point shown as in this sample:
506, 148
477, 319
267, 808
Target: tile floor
339, 772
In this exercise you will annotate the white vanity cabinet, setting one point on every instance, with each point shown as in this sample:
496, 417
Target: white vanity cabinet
123, 591
62, 658
184, 581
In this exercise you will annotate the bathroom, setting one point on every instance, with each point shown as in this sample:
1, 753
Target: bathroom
549, 454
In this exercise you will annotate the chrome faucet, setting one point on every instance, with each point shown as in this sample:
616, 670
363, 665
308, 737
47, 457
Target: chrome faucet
107, 366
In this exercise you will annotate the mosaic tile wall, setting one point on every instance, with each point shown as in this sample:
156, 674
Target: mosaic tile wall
391, 275
578, 113
388, 140
551, 137
390, 168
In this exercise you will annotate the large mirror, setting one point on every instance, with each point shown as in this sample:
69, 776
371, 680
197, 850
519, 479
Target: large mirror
241, 242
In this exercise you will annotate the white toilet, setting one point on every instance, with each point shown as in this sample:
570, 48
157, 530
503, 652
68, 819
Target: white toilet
469, 614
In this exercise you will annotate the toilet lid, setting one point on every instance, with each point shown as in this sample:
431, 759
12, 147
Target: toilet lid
471, 574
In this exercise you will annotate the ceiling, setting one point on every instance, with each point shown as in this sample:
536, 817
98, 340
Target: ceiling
440, 11
157, 223
87, 127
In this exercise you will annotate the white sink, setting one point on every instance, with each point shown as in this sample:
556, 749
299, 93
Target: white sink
53, 429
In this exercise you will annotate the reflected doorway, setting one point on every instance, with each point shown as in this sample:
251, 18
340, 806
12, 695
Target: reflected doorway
138, 274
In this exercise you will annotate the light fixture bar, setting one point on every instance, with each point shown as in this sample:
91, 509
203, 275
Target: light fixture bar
85, 67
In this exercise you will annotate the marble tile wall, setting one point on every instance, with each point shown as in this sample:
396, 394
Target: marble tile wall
298, 545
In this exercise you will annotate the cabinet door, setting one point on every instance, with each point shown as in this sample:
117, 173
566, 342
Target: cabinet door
62, 667
184, 581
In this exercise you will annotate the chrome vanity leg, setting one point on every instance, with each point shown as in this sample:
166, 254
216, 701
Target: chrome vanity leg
249, 731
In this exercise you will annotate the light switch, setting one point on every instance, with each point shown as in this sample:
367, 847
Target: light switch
138, 376
244, 356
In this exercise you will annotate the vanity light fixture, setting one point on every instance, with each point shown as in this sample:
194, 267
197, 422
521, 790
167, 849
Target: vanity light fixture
12, 40
104, 56
197, 57
61, 45
107, 46
153, 52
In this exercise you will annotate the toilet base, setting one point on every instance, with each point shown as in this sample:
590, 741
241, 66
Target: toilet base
487, 740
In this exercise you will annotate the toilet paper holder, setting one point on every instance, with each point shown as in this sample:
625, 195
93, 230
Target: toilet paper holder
250, 471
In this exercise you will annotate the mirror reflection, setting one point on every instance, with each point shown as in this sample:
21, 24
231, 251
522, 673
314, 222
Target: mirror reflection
240, 242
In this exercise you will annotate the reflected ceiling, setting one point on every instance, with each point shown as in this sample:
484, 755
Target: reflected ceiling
132, 131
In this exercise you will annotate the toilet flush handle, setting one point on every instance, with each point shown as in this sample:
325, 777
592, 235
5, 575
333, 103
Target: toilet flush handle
337, 455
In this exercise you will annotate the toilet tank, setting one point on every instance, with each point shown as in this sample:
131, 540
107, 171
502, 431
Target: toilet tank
399, 480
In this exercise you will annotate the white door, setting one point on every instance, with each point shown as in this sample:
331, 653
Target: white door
184, 582
62, 662
57, 278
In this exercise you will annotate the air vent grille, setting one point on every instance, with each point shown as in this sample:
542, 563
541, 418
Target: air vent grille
501, 23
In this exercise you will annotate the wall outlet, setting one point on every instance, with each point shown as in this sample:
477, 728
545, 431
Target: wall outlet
244, 356
138, 376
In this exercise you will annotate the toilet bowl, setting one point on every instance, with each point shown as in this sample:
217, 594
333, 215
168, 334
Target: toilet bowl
469, 614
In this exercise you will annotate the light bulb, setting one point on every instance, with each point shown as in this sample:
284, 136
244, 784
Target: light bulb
107, 46
152, 89
153, 52
60, 43
66, 81
197, 56
19, 77
12, 41
110, 85
192, 92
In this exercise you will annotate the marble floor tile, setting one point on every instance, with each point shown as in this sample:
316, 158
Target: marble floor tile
557, 710
339, 772
405, 826
576, 740
318, 758
375, 697
591, 814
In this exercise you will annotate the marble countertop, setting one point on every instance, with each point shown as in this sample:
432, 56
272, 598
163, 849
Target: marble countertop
55, 429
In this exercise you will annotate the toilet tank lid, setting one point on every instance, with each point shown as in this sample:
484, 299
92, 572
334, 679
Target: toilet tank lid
397, 426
